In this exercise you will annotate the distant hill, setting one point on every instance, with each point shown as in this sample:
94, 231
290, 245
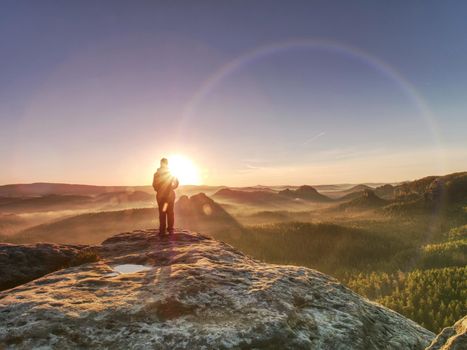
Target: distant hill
53, 202
10, 223
270, 216
306, 193
89, 228
326, 247
417, 187
274, 216
366, 199
355, 189
386, 191
432, 193
358, 188
42, 203
43, 188
190, 190
452, 186
198, 212
124, 197
253, 189
265, 198
349, 192
201, 213
350, 196
455, 186
331, 188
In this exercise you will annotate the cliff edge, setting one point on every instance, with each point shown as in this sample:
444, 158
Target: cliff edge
189, 291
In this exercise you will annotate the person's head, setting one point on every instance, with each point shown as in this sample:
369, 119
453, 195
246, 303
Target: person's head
164, 163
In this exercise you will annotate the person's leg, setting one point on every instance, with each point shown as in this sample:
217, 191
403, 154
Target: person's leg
170, 216
162, 215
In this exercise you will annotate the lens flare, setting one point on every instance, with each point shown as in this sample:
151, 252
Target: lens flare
184, 169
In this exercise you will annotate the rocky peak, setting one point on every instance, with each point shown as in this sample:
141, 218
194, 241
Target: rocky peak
196, 202
305, 192
369, 194
451, 338
202, 213
188, 291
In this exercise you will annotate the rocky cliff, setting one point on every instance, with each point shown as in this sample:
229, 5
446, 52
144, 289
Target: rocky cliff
188, 292
451, 338
307, 193
21, 263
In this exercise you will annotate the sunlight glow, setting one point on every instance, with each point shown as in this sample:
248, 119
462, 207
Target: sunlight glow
184, 169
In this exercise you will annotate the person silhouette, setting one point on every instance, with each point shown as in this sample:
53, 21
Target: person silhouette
164, 183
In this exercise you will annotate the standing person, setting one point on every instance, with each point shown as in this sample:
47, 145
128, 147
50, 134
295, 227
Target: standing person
164, 183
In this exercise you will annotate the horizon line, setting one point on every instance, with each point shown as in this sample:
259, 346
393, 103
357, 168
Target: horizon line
222, 185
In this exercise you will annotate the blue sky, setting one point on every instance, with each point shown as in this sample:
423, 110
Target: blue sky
301, 92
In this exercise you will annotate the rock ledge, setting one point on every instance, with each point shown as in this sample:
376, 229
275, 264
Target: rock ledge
451, 338
198, 293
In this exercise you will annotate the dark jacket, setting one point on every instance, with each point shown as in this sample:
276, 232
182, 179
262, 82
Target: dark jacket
164, 183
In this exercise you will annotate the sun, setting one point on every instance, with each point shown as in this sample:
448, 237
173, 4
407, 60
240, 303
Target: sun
184, 169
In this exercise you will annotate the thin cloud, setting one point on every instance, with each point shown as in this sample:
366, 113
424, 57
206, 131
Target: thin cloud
322, 133
249, 168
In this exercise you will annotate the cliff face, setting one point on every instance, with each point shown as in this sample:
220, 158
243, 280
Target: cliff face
194, 292
451, 338
21, 263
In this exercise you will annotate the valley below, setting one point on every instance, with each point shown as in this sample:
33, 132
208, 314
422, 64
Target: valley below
402, 245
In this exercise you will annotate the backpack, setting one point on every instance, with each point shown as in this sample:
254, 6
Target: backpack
156, 182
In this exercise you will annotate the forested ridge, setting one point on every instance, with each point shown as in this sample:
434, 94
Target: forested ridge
434, 298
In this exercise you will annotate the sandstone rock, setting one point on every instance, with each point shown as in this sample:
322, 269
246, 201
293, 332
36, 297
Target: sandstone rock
451, 338
22, 263
307, 193
198, 293
201, 213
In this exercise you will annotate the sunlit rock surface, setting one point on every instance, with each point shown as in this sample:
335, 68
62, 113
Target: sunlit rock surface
452, 338
198, 294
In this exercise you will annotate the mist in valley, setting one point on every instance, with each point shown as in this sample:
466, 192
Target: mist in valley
390, 233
